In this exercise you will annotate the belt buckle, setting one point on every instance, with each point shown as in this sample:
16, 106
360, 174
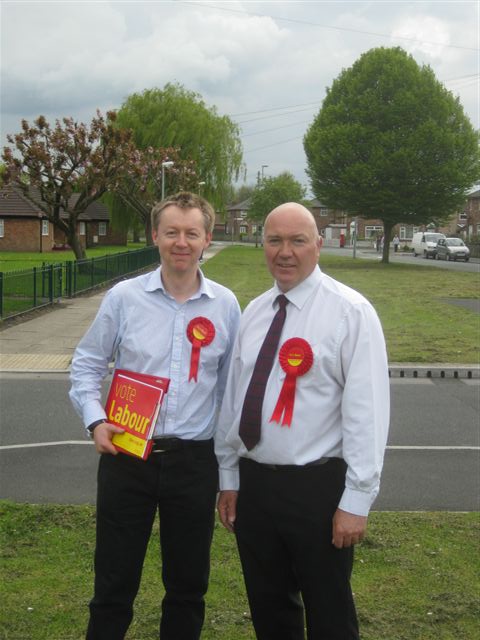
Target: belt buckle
158, 450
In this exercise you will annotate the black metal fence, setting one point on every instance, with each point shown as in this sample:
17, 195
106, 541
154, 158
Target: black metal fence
28, 289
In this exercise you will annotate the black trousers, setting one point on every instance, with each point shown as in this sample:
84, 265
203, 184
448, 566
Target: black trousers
182, 485
293, 574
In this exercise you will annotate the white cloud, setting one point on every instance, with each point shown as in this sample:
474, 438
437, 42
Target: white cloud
68, 58
428, 35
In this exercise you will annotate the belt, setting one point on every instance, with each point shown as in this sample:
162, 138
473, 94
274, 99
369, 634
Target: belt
163, 445
286, 467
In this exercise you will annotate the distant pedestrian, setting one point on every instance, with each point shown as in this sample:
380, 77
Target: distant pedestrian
396, 242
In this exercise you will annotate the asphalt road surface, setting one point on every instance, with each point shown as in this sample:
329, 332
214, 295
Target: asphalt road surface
432, 461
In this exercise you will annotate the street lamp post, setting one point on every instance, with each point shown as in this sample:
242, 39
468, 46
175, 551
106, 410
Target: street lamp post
167, 163
200, 185
264, 166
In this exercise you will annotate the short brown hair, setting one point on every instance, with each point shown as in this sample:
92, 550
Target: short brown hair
186, 200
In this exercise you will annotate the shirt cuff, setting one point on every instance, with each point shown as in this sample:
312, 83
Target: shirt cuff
356, 502
92, 412
229, 479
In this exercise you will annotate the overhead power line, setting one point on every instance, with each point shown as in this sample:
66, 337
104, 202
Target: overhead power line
327, 26
274, 144
274, 115
284, 126
291, 106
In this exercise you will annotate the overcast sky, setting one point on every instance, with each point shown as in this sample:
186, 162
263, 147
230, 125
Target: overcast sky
265, 64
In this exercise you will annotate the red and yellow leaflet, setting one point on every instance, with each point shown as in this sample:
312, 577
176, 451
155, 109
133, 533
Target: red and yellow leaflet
133, 403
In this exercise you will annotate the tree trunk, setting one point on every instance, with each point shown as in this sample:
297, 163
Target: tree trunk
148, 231
74, 242
387, 234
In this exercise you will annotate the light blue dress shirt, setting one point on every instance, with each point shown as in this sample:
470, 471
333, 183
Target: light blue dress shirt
144, 329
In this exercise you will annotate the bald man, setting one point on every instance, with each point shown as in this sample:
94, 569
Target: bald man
301, 445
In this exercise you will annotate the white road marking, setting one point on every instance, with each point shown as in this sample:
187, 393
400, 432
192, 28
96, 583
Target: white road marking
390, 447
44, 444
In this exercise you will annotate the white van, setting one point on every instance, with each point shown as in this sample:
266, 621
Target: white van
424, 243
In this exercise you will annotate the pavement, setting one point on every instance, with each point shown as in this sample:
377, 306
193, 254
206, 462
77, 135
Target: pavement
44, 341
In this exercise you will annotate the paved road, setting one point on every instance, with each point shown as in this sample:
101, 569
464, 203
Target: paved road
364, 253
432, 461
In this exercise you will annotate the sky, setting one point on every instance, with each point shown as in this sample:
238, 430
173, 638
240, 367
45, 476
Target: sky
267, 65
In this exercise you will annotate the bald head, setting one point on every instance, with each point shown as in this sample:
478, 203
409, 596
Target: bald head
291, 243
293, 211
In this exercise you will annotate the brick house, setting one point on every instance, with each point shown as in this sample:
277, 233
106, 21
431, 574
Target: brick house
24, 227
331, 223
466, 222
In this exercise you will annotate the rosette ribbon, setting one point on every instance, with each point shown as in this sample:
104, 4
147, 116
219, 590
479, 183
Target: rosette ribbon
200, 332
296, 358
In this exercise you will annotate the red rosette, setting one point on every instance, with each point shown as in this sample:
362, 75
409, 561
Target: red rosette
200, 332
296, 358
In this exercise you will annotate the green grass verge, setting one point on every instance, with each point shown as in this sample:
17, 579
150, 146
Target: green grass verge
17, 260
415, 577
419, 325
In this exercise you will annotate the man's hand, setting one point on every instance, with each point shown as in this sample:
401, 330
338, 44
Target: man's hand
348, 529
102, 437
227, 508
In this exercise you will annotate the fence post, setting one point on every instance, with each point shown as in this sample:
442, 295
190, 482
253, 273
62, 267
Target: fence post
34, 287
50, 283
68, 278
1, 294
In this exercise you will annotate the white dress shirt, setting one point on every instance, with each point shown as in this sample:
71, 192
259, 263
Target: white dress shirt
341, 404
144, 329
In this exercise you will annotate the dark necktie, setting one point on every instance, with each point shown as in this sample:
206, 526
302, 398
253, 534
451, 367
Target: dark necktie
251, 419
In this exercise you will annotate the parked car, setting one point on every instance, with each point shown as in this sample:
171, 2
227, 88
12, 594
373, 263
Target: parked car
425, 243
452, 249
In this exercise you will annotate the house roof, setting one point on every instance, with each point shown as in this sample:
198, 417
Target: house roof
241, 206
315, 204
14, 204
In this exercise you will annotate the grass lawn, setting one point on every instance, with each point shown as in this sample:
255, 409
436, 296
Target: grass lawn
415, 578
410, 300
14, 260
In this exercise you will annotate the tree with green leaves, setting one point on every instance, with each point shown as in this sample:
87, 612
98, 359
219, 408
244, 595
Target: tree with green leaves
63, 169
390, 142
173, 117
273, 191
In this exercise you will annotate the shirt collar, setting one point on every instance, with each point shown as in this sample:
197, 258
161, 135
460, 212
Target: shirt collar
154, 283
300, 294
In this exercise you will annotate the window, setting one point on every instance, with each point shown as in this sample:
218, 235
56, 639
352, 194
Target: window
372, 230
254, 228
2, 228
323, 211
406, 232
45, 228
463, 216
82, 228
243, 229
102, 228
